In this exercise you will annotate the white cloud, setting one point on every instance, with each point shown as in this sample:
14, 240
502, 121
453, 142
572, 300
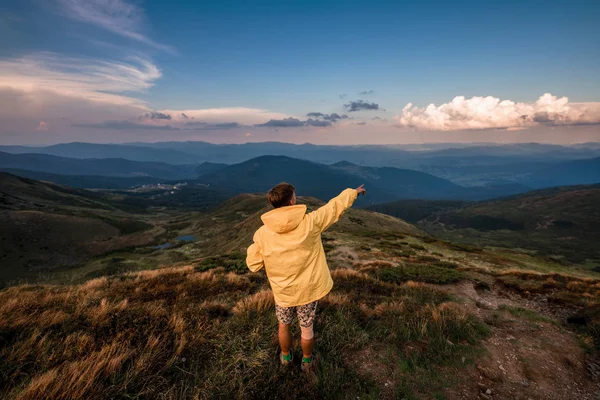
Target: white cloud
41, 82
117, 16
241, 115
491, 112
85, 93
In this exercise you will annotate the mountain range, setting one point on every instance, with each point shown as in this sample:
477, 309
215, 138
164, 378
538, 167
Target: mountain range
405, 156
255, 175
95, 166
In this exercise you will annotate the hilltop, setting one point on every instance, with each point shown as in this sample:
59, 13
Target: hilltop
410, 315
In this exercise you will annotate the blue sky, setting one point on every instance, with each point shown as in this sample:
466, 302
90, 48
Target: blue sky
239, 71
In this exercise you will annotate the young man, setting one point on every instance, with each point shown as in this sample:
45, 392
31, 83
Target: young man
289, 246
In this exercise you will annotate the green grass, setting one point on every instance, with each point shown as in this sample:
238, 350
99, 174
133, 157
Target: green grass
526, 314
128, 225
419, 273
232, 262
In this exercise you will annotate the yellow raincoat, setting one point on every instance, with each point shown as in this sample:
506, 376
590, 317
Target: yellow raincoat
289, 246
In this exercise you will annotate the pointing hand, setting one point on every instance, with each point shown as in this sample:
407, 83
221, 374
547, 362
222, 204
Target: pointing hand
361, 189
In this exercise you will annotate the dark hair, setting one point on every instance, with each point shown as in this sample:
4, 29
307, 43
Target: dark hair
281, 195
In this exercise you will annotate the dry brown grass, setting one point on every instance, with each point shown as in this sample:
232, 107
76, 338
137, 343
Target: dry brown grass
261, 301
345, 273
178, 333
560, 287
336, 299
110, 336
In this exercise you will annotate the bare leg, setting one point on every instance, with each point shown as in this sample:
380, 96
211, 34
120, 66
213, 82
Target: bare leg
307, 346
285, 338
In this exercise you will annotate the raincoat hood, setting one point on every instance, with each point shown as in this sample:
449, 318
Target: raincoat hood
284, 219
289, 247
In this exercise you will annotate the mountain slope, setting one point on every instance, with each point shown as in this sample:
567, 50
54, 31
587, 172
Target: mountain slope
403, 183
310, 179
575, 172
232, 225
560, 221
450, 315
85, 181
326, 181
414, 210
105, 166
45, 226
99, 150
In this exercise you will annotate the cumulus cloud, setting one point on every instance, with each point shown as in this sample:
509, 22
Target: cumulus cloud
366, 92
283, 123
116, 16
491, 112
154, 115
361, 105
316, 119
333, 117
317, 122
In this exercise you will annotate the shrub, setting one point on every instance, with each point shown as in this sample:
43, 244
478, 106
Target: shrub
420, 273
446, 264
232, 262
428, 259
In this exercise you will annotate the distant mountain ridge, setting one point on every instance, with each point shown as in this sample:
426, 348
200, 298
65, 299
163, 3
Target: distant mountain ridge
261, 173
404, 156
105, 167
101, 151
325, 181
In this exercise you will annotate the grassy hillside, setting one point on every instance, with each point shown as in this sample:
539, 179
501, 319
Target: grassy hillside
414, 210
561, 221
409, 317
232, 225
45, 226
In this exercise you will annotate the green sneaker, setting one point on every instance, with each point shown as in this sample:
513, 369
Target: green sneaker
286, 360
308, 364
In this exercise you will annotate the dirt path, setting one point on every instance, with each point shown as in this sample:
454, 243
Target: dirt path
527, 356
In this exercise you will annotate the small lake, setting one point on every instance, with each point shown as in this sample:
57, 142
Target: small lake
185, 238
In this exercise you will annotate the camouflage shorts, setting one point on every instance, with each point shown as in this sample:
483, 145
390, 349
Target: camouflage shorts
306, 314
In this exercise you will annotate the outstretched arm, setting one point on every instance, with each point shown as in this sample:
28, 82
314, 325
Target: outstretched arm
331, 212
254, 258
